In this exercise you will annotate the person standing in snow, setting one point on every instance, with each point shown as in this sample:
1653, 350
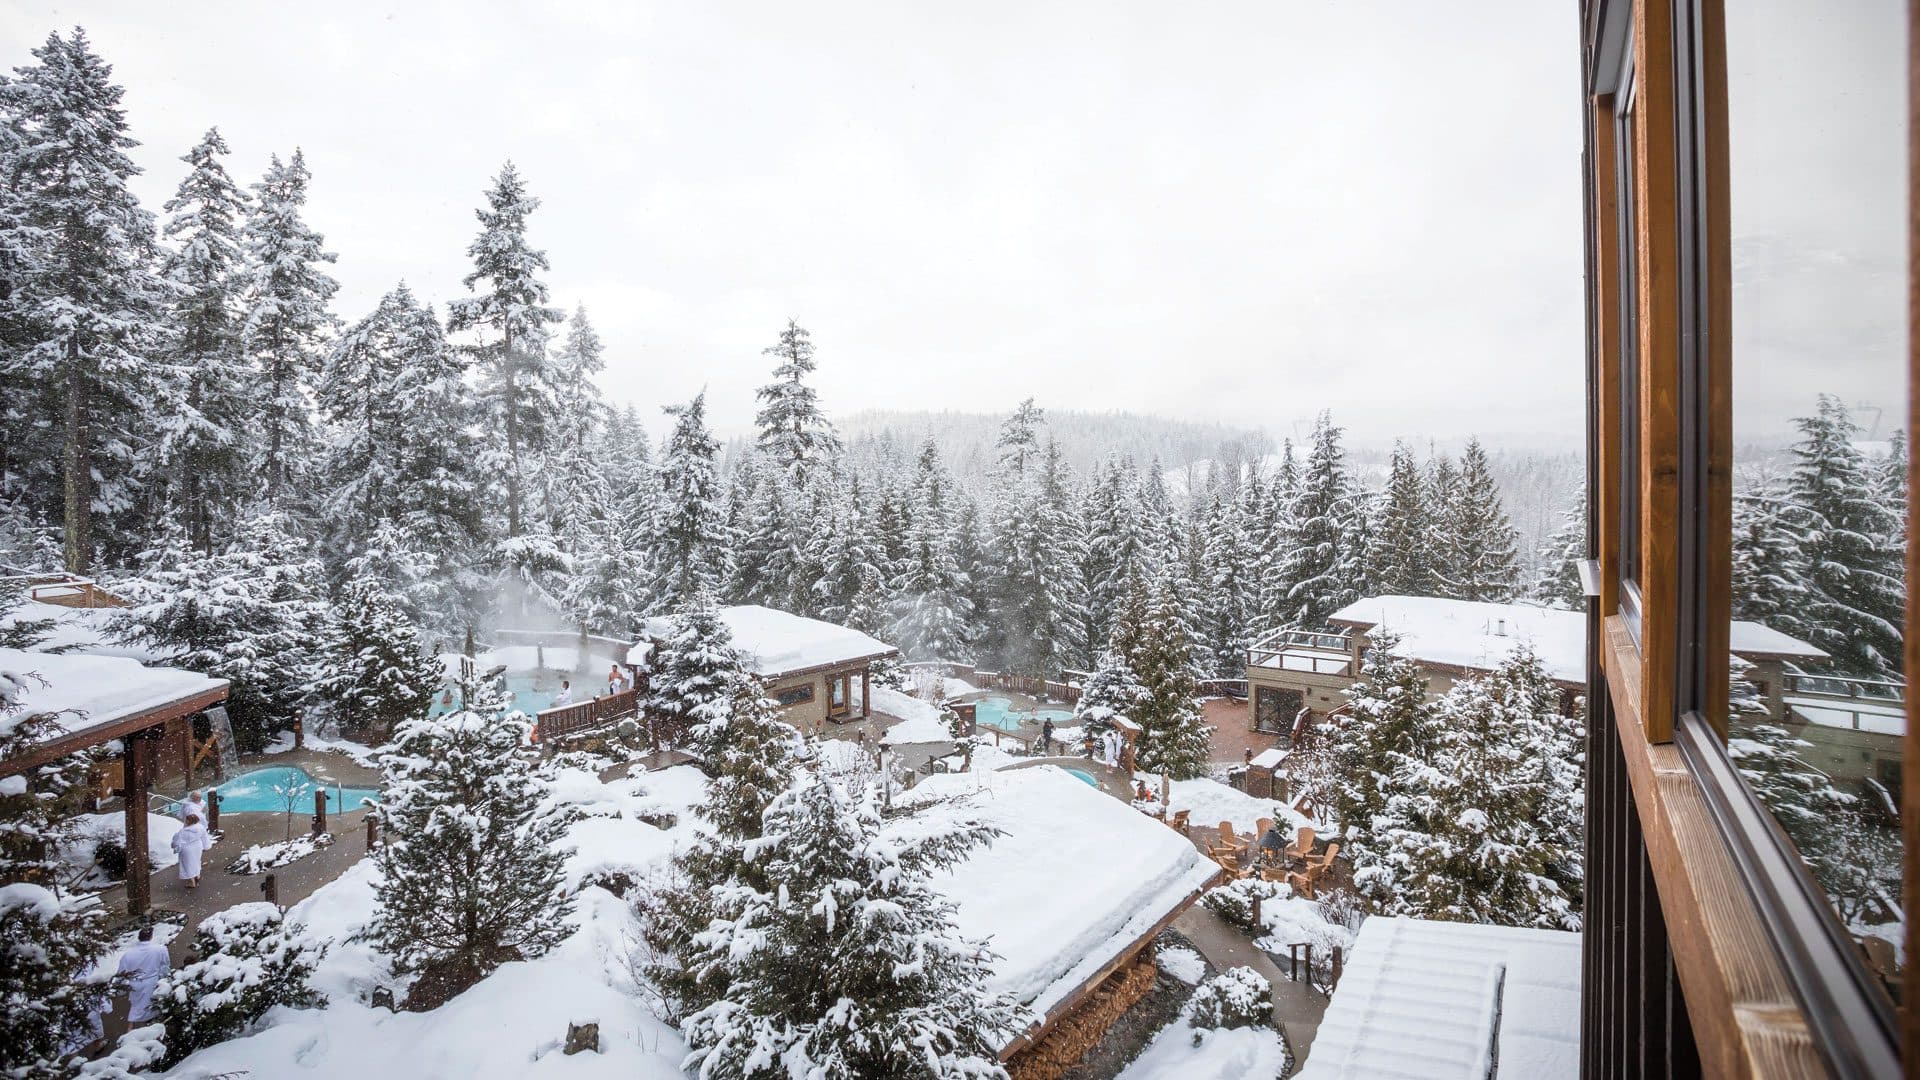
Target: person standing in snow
193, 807
188, 843
142, 966
564, 697
1046, 736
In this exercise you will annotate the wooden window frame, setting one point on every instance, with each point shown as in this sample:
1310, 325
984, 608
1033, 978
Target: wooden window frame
1772, 983
800, 695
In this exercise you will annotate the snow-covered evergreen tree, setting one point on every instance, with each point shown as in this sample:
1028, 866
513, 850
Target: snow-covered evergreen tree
691, 674
510, 310
794, 433
207, 436
931, 611
1321, 567
690, 537
1558, 582
1019, 441
247, 960
1483, 545
578, 495
1387, 712
287, 322
1399, 555
49, 944
851, 589
1855, 602
380, 672
470, 863
1112, 691
1769, 570
249, 612
80, 304
850, 967
768, 556
1174, 737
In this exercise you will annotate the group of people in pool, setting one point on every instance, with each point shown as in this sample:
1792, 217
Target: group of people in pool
619, 681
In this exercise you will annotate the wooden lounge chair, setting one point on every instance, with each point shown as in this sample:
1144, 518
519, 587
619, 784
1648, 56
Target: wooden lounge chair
1303, 882
1231, 865
1230, 845
1302, 846
1179, 821
1275, 874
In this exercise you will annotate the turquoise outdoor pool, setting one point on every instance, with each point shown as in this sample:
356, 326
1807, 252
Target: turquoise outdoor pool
998, 713
1084, 777
254, 792
530, 692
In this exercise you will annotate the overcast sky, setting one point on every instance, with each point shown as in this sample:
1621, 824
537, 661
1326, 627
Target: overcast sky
1240, 211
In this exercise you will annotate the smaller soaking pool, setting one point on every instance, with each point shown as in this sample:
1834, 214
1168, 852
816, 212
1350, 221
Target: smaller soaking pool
264, 790
1084, 777
998, 712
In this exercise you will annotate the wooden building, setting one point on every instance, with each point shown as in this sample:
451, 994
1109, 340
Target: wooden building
97, 700
816, 671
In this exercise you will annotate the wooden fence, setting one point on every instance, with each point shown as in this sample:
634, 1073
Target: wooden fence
564, 720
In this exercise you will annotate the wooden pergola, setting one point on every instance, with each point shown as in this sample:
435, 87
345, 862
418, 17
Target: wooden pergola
101, 699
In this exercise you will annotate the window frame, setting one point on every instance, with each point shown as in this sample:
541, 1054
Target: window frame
1668, 664
800, 695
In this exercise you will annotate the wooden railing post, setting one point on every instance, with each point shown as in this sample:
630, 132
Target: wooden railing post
270, 890
319, 811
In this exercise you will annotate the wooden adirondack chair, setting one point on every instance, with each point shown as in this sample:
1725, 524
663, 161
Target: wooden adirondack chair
1230, 845
1303, 881
1276, 874
1302, 846
1178, 821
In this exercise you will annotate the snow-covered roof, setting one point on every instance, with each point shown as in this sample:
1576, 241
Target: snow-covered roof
87, 692
79, 629
1430, 1000
1479, 635
1269, 758
1054, 930
779, 643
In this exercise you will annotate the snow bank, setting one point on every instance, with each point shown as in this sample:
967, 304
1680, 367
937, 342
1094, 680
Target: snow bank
1183, 964
90, 829
1224, 1054
777, 642
1078, 878
514, 1022
360, 752
919, 720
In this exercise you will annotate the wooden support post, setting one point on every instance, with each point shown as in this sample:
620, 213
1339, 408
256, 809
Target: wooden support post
184, 726
138, 780
270, 890
1256, 913
299, 735
319, 811
373, 832
1335, 981
213, 809
866, 692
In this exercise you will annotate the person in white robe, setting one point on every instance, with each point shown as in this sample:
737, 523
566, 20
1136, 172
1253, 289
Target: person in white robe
188, 843
143, 965
193, 806
564, 697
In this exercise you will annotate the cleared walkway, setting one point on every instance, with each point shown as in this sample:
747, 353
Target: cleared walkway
1297, 1007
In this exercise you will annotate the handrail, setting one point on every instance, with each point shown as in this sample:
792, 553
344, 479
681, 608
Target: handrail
560, 720
1850, 686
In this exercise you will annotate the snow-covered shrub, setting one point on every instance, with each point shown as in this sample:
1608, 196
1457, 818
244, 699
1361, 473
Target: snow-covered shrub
141, 1049
1237, 997
1234, 901
249, 961
111, 857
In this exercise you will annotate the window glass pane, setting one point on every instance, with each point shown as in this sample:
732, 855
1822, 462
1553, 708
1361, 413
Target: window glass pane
1629, 360
1817, 141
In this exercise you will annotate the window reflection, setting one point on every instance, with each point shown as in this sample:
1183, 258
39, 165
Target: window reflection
1816, 124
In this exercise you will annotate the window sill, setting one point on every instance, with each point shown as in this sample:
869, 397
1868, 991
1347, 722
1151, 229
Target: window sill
1746, 1020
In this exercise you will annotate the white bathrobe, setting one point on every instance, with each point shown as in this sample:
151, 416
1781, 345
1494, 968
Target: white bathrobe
188, 843
197, 809
143, 965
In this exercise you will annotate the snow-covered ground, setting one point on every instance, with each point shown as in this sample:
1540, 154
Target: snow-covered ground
90, 829
920, 720
360, 752
1209, 802
513, 1023
1223, 1054
1183, 964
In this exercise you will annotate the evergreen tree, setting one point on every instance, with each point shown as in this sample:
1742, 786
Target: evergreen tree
1381, 736
767, 539
510, 307
79, 309
49, 944
691, 673
851, 590
1399, 554
1769, 570
1320, 565
470, 865
205, 444
1856, 597
1174, 738
1019, 441
286, 326
1113, 691
690, 535
247, 961
1558, 582
578, 495
931, 611
248, 613
1230, 594
381, 672
1485, 562
749, 754
850, 967
794, 433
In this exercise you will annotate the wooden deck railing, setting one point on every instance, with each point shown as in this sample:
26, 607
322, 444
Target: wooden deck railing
563, 720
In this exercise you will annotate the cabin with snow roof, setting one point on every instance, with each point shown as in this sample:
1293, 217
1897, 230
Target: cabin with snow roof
1295, 676
818, 672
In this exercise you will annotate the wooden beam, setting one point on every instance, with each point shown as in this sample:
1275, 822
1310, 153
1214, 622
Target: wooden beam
1910, 748
1606, 293
60, 746
1744, 1016
139, 780
1716, 556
